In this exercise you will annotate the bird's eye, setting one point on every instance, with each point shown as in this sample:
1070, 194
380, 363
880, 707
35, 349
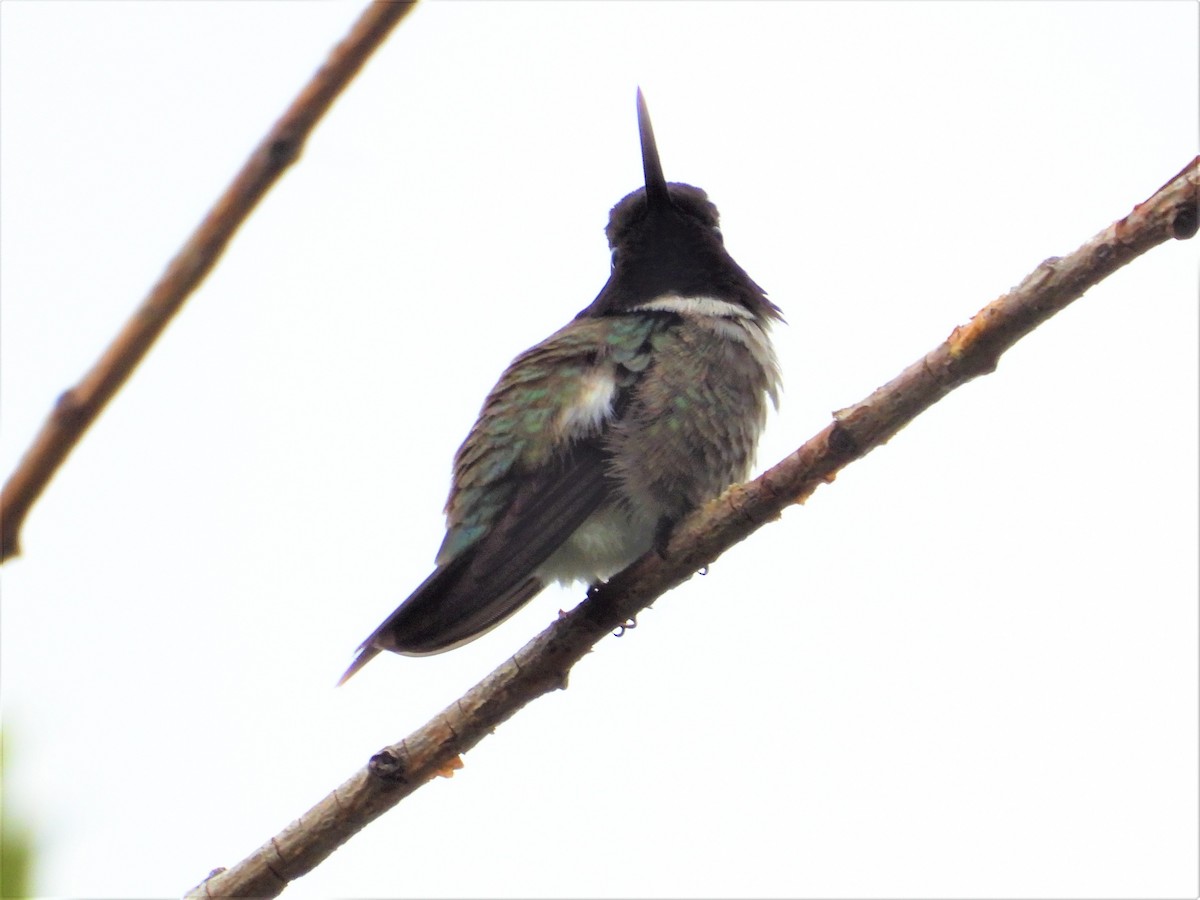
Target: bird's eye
716, 229
615, 253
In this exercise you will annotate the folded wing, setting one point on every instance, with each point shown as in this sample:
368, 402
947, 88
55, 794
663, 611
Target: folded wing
529, 474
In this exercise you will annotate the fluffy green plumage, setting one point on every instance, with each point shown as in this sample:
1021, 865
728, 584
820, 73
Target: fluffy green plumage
521, 425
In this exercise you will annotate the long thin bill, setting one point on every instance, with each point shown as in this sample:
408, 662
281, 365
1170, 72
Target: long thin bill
656, 184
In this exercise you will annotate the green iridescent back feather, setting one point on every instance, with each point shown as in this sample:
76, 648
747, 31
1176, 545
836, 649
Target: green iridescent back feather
528, 404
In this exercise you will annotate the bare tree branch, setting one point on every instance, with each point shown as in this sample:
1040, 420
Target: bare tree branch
79, 406
543, 664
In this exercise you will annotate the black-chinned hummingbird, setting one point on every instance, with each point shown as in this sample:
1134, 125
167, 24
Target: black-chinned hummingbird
596, 441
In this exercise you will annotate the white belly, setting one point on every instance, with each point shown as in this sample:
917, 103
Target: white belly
602, 546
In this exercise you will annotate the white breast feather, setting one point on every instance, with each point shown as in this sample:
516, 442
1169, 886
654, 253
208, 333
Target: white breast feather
696, 306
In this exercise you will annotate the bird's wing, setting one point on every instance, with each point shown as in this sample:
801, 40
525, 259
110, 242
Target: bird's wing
530, 472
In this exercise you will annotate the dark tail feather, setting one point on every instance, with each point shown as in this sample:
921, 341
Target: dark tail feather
365, 655
441, 614
489, 581
382, 638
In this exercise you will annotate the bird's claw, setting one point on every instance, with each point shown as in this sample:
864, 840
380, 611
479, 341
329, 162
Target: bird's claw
627, 625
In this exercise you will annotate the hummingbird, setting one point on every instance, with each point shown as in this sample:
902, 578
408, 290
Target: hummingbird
597, 440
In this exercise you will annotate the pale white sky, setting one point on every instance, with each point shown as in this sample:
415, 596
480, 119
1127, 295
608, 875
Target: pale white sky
967, 668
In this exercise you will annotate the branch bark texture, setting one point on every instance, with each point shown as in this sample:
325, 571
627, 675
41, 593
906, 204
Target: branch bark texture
543, 664
79, 406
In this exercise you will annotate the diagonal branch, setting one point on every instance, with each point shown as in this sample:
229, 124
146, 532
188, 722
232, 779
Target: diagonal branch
79, 406
543, 664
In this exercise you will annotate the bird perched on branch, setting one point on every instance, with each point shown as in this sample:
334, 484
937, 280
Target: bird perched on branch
596, 441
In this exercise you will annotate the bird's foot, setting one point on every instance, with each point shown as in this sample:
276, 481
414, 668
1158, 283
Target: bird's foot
627, 625
662, 536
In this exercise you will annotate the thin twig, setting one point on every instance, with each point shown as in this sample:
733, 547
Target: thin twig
543, 664
79, 406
